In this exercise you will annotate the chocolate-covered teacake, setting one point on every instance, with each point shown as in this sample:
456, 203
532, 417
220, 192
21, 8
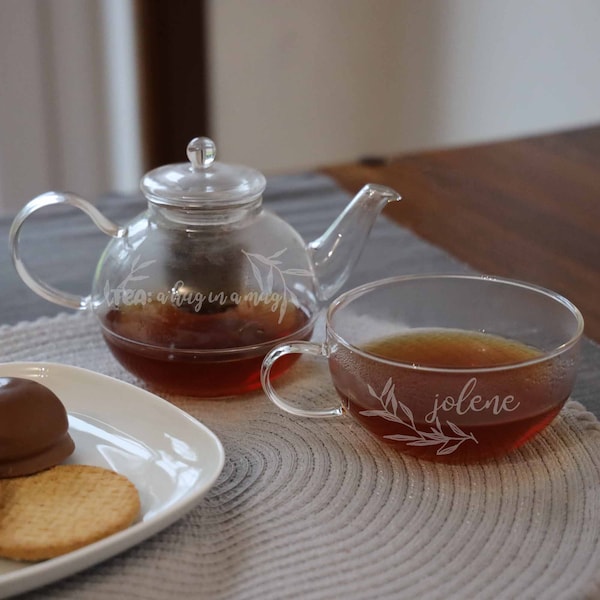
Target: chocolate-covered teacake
34, 428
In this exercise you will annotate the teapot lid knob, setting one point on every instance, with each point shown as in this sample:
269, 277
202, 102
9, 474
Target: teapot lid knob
203, 182
201, 152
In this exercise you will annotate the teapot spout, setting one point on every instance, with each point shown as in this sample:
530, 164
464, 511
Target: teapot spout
335, 253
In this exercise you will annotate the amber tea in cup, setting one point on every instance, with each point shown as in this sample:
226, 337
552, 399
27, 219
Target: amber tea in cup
447, 368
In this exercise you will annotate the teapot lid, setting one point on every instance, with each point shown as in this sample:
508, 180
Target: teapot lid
203, 182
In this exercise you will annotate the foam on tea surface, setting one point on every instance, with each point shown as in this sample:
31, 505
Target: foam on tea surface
451, 348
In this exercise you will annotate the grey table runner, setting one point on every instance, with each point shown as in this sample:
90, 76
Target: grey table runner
63, 244
318, 509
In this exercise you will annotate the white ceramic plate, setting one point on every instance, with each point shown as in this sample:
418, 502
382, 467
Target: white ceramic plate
172, 459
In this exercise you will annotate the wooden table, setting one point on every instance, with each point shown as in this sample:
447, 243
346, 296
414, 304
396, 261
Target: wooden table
527, 209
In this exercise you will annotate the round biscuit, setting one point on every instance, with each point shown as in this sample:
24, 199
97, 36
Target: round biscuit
62, 509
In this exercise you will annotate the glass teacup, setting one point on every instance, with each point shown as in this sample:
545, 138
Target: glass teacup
446, 367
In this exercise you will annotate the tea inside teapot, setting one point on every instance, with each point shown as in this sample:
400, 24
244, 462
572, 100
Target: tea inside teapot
199, 353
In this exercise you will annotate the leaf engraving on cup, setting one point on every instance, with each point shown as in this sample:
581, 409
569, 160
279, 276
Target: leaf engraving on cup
435, 437
266, 268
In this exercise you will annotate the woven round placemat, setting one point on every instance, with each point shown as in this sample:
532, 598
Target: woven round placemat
313, 509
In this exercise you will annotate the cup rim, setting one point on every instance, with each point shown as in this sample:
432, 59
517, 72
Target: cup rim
350, 295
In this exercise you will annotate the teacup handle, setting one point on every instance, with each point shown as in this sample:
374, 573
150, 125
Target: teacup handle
40, 287
310, 348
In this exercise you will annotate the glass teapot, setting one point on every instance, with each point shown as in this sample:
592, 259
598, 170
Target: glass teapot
193, 293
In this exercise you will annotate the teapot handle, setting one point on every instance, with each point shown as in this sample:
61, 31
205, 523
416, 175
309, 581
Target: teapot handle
40, 287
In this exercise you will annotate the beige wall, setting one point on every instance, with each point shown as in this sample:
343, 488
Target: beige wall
294, 84
298, 84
